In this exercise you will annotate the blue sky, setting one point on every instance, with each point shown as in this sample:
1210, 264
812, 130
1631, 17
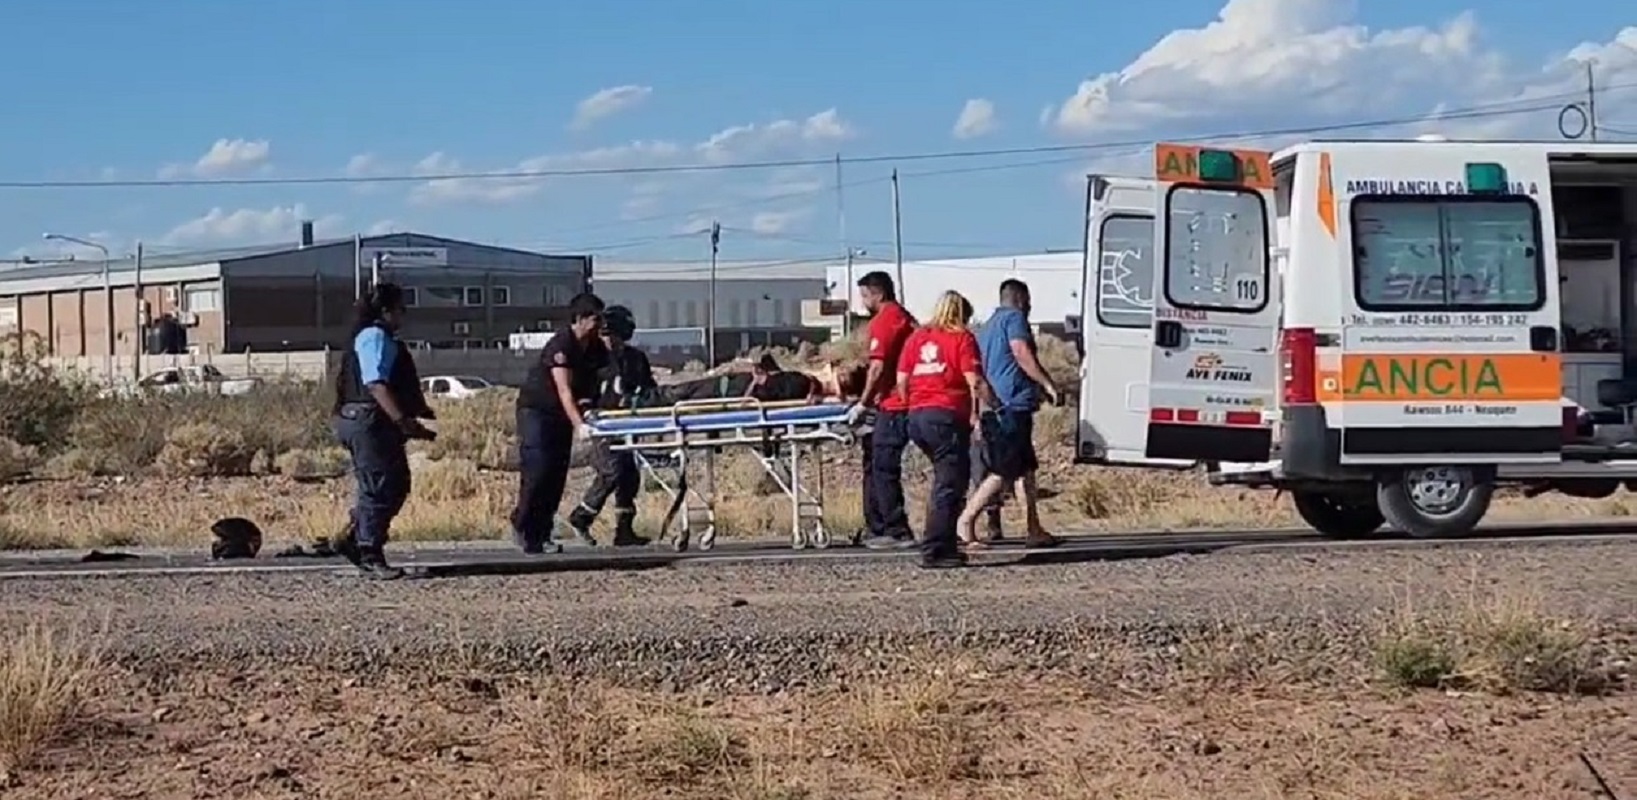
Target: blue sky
112, 89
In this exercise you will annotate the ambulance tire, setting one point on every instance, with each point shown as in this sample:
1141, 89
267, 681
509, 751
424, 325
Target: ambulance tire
1435, 502
1338, 516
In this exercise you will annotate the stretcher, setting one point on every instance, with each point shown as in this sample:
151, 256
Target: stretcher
786, 438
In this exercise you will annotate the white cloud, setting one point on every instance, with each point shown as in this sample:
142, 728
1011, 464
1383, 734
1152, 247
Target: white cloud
770, 223
383, 227
225, 157
1307, 64
245, 226
363, 165
700, 225
786, 137
976, 119
608, 102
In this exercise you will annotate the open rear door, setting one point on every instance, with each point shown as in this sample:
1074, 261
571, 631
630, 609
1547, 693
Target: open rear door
1214, 371
1117, 318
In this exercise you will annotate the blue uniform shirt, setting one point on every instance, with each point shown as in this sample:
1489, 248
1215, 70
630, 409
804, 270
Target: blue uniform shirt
376, 352
1013, 388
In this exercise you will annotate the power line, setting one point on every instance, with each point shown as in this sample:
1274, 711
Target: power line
1506, 108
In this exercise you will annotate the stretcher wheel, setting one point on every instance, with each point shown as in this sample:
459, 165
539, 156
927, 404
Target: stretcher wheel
821, 538
680, 542
707, 540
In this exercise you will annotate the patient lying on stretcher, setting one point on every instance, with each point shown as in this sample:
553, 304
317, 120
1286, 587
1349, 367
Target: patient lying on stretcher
766, 382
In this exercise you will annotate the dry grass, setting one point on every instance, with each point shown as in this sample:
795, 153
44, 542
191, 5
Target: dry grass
933, 730
45, 677
1496, 643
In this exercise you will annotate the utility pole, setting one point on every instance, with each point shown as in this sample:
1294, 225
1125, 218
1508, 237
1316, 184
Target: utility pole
141, 309
357, 267
1591, 101
846, 247
375, 264
897, 237
710, 319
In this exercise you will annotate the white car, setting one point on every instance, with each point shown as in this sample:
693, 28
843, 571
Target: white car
454, 387
191, 378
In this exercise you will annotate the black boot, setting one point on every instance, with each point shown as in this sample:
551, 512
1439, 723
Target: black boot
346, 545
625, 534
579, 521
372, 563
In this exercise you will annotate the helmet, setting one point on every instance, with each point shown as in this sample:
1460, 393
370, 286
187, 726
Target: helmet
618, 321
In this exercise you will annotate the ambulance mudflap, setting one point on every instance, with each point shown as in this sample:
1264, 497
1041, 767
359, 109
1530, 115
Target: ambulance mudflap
1214, 372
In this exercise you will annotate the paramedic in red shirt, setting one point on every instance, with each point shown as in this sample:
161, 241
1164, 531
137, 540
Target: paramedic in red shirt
940, 380
884, 516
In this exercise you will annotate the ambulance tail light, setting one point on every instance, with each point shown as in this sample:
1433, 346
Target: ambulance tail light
1298, 362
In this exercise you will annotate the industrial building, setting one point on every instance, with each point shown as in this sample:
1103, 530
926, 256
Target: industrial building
1055, 284
758, 304
297, 296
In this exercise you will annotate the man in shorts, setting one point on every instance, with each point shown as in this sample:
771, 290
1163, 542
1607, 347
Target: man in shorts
1018, 382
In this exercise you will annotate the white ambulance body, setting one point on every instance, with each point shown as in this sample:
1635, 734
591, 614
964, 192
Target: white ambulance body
1377, 327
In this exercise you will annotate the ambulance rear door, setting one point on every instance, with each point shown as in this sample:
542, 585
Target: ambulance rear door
1451, 332
1214, 366
1117, 317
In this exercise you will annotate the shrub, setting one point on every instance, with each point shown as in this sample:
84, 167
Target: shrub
309, 463
204, 449
16, 460
38, 404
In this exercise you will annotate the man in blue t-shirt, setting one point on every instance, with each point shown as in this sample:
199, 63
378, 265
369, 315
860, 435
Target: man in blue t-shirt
1006, 454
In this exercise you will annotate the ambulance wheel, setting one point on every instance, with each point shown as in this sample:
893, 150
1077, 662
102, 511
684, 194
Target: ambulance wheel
1435, 502
1339, 516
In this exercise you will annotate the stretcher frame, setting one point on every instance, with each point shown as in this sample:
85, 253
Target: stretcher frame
789, 450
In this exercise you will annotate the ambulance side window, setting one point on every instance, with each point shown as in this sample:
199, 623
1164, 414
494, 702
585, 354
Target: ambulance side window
1450, 252
1216, 249
1125, 284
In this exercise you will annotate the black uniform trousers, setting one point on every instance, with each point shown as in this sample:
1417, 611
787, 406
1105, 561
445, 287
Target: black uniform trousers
946, 439
380, 468
615, 475
545, 447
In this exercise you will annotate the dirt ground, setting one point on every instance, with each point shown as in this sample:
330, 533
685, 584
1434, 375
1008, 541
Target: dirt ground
969, 735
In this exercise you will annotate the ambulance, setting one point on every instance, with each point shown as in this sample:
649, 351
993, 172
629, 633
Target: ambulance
1385, 330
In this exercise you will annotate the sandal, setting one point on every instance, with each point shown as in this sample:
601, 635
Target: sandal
972, 545
1041, 540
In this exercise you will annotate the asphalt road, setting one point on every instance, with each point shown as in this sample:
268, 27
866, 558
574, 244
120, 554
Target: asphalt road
452, 560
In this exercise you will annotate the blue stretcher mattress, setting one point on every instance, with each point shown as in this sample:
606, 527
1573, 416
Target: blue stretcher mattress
719, 420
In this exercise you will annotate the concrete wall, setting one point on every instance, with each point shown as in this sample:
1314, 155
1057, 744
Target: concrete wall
498, 366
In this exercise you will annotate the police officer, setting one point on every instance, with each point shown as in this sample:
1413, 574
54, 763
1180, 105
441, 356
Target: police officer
550, 420
625, 380
378, 409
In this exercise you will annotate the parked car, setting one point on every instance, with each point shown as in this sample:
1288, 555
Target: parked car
454, 387
190, 378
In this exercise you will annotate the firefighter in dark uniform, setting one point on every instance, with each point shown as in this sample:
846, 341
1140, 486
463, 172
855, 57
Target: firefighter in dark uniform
378, 409
550, 419
626, 379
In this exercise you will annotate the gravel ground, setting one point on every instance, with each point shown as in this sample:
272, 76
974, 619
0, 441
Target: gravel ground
776, 626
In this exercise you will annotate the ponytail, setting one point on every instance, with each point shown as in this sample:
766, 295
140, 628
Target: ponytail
374, 305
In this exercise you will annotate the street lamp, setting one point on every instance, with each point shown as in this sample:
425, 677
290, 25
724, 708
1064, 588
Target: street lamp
107, 295
847, 321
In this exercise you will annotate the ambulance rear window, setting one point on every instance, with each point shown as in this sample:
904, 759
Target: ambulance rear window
1449, 252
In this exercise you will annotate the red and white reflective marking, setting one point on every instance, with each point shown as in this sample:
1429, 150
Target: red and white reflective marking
1194, 416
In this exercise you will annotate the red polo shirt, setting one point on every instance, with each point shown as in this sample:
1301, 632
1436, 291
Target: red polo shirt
936, 363
889, 328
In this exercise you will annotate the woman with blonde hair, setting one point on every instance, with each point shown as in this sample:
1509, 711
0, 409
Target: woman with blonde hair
940, 381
